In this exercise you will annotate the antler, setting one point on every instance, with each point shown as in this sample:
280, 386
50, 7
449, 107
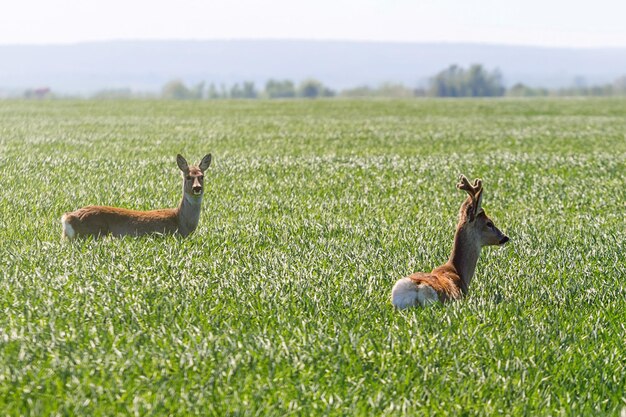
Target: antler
465, 185
475, 193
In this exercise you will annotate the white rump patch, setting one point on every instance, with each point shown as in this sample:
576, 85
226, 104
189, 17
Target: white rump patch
406, 294
68, 230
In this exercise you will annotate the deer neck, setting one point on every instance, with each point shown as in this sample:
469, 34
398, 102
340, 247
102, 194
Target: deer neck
188, 213
464, 256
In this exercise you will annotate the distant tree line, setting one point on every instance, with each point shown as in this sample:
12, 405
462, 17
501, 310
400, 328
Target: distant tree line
309, 88
617, 88
451, 82
454, 81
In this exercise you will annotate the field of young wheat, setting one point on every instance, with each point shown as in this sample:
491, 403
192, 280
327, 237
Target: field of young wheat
278, 304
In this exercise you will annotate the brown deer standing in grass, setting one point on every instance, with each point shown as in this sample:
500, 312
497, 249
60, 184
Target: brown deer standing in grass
451, 280
102, 220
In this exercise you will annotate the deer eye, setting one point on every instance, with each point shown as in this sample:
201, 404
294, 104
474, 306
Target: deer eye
490, 225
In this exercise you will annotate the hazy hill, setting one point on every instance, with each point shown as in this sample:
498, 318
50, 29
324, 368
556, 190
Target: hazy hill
147, 65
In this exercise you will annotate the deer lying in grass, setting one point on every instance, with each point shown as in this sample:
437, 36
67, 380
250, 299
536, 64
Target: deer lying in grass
451, 280
102, 220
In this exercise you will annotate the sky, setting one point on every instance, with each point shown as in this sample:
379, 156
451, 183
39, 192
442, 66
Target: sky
549, 23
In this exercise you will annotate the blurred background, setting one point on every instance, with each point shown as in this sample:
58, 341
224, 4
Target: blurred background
201, 50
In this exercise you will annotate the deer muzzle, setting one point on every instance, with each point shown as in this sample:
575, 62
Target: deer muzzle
197, 187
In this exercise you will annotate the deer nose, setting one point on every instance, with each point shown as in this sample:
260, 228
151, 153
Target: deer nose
504, 240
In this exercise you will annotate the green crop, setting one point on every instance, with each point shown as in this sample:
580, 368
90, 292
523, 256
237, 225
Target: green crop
279, 303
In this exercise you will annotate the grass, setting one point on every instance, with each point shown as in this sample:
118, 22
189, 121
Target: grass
279, 303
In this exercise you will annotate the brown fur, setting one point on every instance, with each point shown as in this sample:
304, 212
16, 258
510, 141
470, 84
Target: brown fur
104, 220
443, 279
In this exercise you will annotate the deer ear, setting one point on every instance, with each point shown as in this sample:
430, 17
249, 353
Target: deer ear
469, 210
478, 199
182, 163
206, 161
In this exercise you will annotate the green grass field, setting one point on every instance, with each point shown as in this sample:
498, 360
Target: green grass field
279, 303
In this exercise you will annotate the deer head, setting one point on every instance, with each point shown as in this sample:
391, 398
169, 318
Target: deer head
193, 176
473, 218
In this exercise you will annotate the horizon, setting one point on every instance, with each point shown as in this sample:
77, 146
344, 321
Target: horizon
535, 23
147, 65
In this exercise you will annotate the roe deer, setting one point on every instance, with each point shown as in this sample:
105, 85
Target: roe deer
451, 280
102, 220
